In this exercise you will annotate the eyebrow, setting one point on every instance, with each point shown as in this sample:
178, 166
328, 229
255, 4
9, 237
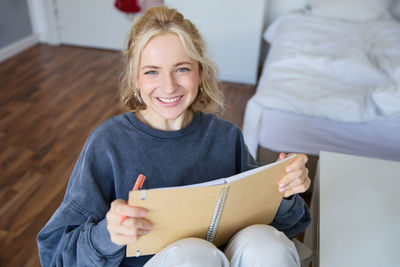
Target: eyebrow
182, 63
176, 65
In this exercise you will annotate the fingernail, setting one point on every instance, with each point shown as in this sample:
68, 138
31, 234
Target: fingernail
282, 190
282, 185
148, 227
289, 169
143, 213
145, 231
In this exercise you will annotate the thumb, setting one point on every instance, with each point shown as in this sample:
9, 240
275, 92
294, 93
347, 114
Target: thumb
281, 156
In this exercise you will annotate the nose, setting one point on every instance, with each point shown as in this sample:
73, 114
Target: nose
169, 84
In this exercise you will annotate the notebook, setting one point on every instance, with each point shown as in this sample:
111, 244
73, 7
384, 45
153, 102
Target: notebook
214, 210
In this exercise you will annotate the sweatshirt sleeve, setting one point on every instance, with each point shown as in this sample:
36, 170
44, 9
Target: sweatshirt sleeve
73, 239
293, 216
76, 234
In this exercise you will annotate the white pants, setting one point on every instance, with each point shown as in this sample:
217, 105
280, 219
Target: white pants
256, 245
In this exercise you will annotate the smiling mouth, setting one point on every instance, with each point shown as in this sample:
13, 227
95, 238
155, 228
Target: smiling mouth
169, 100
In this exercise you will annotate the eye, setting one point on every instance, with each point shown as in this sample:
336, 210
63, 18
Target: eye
183, 69
150, 72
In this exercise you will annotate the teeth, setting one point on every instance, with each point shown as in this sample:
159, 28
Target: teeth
169, 100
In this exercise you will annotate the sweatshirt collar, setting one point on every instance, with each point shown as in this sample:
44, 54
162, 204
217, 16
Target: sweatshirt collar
160, 134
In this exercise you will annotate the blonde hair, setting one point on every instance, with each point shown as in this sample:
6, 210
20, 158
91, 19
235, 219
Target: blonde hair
161, 20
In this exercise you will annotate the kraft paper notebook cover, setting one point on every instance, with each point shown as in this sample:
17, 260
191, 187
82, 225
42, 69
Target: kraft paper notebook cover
214, 211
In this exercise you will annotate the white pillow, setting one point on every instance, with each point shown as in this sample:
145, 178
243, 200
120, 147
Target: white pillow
356, 10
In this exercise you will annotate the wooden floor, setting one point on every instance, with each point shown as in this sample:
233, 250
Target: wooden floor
51, 97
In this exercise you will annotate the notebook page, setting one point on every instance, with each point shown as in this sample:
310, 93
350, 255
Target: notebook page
256, 170
229, 179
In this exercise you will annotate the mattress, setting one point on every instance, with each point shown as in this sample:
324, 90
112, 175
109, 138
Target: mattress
282, 131
343, 77
334, 69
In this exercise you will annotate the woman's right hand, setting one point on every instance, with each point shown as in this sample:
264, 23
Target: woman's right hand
134, 226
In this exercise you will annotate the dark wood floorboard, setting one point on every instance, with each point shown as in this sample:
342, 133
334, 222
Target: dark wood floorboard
51, 98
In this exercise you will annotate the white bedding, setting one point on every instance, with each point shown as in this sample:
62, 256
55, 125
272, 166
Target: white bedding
331, 68
326, 68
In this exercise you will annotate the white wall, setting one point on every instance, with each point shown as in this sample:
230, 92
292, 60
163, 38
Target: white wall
277, 8
233, 32
16, 33
14, 21
42, 14
45, 25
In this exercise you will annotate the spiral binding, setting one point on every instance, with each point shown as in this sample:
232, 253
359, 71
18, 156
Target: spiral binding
212, 230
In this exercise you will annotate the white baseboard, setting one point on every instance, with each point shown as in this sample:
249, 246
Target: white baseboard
18, 46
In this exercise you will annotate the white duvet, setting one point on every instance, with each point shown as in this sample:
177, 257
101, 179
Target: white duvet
338, 70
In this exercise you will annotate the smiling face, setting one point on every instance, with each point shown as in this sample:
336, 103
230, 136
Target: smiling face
168, 80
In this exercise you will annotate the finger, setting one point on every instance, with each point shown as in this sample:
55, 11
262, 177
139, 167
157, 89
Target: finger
138, 223
120, 207
299, 189
281, 156
298, 182
298, 163
291, 176
130, 227
113, 218
128, 230
298, 177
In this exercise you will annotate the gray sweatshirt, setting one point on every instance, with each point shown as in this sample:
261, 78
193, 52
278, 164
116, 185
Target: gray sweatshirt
119, 150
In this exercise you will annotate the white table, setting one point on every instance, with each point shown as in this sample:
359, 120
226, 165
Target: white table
356, 212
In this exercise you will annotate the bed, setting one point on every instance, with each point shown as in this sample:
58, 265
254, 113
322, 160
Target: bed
331, 81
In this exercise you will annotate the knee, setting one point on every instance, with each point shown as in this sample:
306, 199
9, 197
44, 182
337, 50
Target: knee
262, 244
192, 248
260, 233
190, 252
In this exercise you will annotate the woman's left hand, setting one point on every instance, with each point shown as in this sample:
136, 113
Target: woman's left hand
296, 179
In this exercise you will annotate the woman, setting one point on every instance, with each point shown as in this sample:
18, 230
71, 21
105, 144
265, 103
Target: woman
170, 134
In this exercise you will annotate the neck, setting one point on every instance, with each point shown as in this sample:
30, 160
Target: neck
159, 123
